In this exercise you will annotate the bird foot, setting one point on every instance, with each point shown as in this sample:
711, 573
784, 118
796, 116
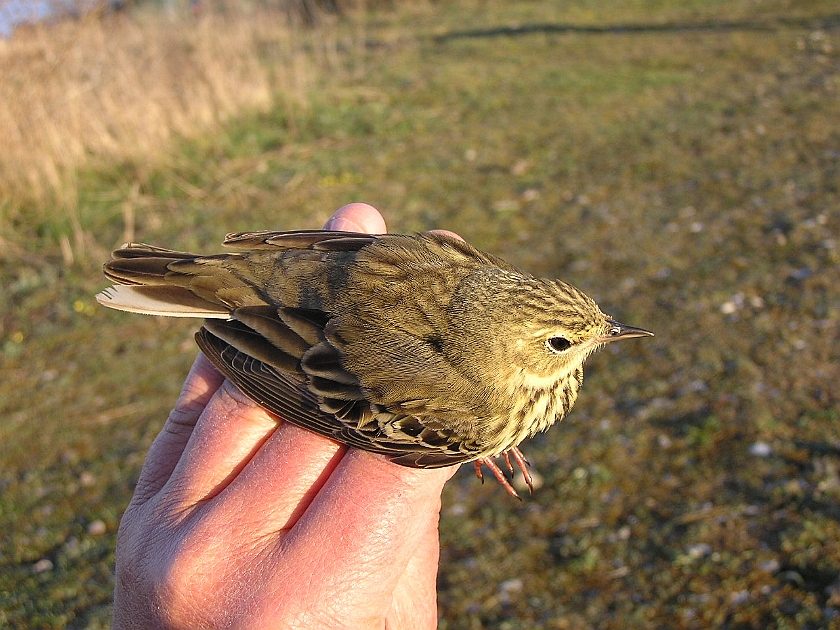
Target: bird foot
521, 462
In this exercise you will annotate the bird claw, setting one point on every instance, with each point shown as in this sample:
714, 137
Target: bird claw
520, 460
478, 473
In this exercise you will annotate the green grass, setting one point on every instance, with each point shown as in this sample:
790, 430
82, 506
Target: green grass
687, 178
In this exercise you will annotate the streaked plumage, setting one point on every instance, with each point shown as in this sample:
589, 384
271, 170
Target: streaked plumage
421, 348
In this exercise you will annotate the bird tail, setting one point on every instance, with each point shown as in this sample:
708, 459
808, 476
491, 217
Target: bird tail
143, 284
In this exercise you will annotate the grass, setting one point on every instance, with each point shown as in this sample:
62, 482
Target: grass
679, 162
121, 89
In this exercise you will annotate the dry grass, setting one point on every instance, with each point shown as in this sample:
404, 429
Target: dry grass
684, 172
81, 94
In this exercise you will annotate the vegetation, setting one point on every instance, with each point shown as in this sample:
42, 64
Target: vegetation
678, 161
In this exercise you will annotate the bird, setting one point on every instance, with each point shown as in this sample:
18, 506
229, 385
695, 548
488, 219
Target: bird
418, 347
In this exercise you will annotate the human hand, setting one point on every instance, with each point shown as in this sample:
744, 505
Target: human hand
239, 520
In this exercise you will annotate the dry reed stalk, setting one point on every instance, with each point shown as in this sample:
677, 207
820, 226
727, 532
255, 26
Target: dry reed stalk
99, 91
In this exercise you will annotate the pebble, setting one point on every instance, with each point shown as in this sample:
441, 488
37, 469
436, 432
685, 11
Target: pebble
97, 527
44, 564
739, 597
519, 481
761, 449
513, 585
833, 593
508, 588
457, 509
699, 550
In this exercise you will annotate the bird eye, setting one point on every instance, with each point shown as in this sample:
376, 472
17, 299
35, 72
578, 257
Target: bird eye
558, 344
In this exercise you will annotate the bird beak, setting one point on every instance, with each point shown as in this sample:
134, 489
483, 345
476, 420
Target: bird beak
622, 331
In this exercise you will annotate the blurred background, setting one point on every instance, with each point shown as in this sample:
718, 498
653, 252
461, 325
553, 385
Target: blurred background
679, 161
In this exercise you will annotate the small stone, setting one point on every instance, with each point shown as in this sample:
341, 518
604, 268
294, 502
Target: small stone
513, 585
97, 527
48, 375
457, 509
761, 449
520, 167
739, 597
509, 588
44, 564
833, 592
519, 480
699, 550
72, 547
770, 566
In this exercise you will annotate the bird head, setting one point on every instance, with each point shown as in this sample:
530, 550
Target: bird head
529, 331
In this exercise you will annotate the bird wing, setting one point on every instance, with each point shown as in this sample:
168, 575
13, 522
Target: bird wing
327, 402
324, 240
276, 339
159, 281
